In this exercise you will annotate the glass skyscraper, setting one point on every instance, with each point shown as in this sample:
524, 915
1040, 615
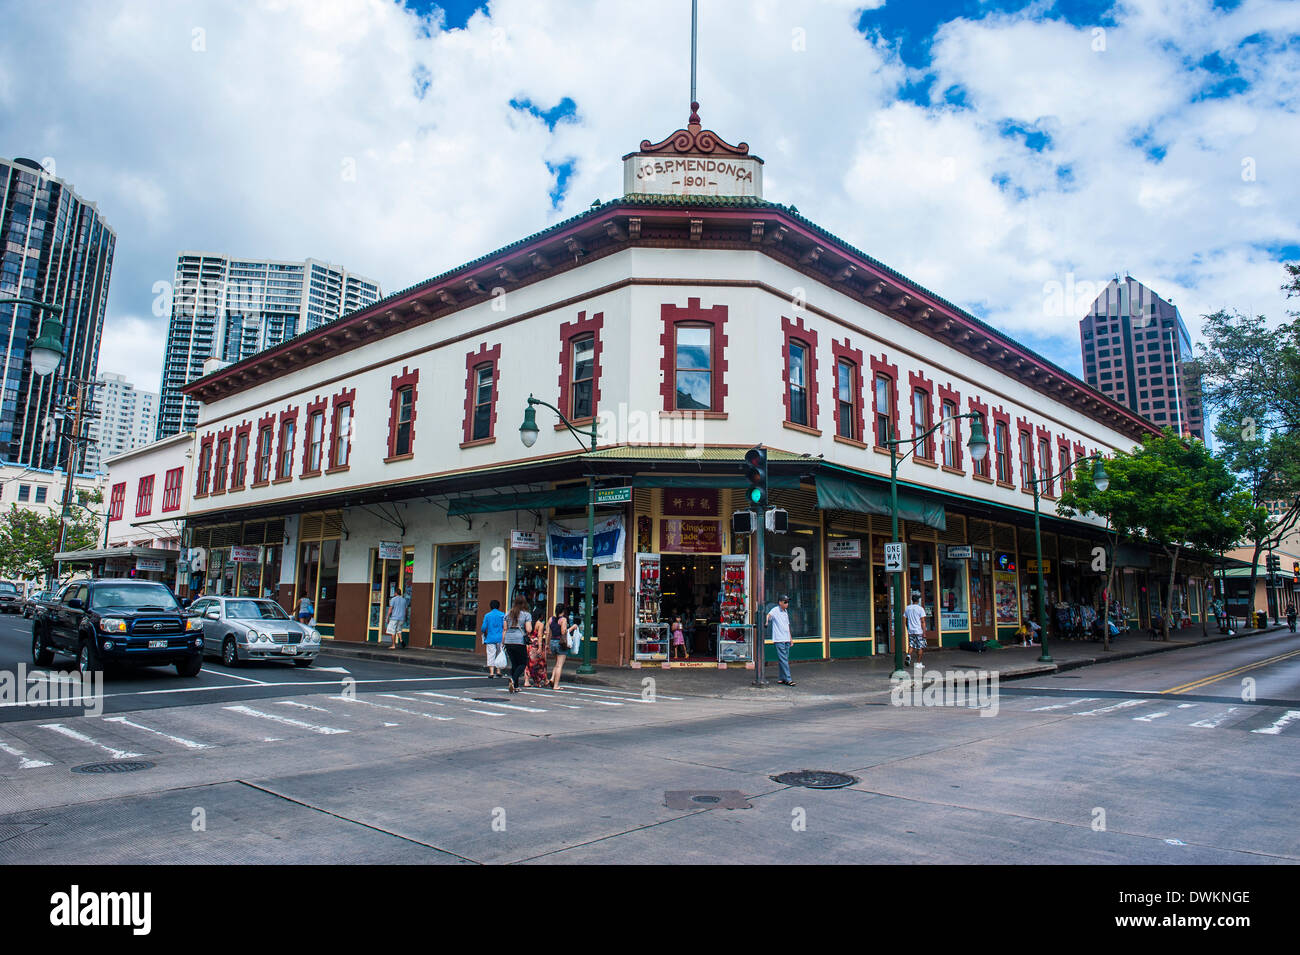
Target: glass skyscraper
56, 248
229, 309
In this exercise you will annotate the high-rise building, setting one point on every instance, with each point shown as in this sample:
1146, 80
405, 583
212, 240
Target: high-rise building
1137, 351
56, 248
125, 418
231, 309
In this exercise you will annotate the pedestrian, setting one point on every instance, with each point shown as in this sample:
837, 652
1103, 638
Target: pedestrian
915, 615
493, 622
679, 638
305, 610
536, 674
559, 627
396, 619
1290, 616
515, 638
779, 617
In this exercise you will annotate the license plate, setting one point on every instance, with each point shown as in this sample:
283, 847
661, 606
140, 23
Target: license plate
157, 644
289, 650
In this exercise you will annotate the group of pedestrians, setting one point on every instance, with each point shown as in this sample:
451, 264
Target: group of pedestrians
517, 641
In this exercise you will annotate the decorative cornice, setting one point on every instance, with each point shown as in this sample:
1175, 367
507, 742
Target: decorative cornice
694, 140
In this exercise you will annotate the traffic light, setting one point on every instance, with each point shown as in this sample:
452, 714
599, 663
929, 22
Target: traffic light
756, 472
1273, 566
1295, 571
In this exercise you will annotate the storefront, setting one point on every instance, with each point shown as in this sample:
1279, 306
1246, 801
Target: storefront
240, 560
317, 578
392, 571
455, 609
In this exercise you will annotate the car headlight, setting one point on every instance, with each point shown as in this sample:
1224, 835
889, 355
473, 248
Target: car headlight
193, 623
260, 637
112, 625
312, 637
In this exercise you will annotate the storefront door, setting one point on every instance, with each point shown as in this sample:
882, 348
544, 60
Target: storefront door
573, 589
921, 580
882, 590
387, 577
981, 596
850, 602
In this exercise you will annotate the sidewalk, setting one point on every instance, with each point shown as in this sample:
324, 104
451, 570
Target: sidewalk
822, 679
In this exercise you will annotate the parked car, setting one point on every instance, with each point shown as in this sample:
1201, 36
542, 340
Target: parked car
38, 599
250, 628
122, 622
11, 598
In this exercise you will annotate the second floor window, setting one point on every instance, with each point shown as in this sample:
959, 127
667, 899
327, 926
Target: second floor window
921, 423
845, 381
241, 460
693, 368
223, 464
172, 489
1063, 461
582, 386
798, 383
342, 436
1026, 460
949, 417
205, 469
262, 470
482, 427
144, 496
116, 501
284, 467
405, 404
315, 440
982, 467
1045, 464
884, 410
1002, 446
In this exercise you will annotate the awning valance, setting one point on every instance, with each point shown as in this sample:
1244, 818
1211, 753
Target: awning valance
836, 494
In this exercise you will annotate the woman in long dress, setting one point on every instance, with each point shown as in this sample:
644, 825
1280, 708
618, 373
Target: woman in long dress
536, 674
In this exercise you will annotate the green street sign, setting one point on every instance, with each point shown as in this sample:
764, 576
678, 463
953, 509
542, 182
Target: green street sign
613, 495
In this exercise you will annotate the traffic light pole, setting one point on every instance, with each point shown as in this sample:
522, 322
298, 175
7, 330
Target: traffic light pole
760, 595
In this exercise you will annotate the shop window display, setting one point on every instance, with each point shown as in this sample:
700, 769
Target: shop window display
528, 577
792, 569
953, 605
457, 587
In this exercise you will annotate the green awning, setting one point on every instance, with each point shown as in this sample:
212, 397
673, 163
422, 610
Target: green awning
711, 481
523, 501
835, 494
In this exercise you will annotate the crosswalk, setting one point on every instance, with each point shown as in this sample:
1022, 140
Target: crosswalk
1263, 720
39, 744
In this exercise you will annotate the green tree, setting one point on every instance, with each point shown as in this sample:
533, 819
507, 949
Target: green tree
29, 538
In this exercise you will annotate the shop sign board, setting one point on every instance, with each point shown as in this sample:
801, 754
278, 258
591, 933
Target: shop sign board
613, 495
525, 540
959, 552
567, 547
954, 621
390, 550
1031, 566
154, 564
690, 537
697, 502
894, 557
245, 555
844, 549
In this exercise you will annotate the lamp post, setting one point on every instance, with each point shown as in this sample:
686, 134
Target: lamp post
979, 448
1102, 481
528, 435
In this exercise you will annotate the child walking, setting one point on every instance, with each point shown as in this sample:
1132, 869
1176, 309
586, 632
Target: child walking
679, 639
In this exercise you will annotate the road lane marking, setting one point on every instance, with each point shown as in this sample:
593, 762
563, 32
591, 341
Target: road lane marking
1061, 706
1152, 716
395, 709
248, 679
1195, 684
83, 738
621, 693
287, 721
1212, 722
1121, 705
1186, 706
486, 713
179, 740
1290, 716
302, 706
24, 762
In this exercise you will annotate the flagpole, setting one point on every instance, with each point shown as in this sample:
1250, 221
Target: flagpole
695, 10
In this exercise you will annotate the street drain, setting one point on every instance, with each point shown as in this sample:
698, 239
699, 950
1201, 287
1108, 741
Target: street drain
119, 766
710, 799
815, 779
700, 798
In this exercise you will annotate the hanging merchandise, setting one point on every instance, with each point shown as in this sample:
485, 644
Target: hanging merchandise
651, 635
735, 633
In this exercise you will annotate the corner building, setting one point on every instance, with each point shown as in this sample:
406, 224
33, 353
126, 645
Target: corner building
690, 320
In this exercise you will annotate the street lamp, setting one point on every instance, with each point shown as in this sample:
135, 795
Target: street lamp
528, 435
1101, 480
978, 445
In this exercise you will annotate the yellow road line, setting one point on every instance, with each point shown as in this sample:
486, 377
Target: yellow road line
1194, 684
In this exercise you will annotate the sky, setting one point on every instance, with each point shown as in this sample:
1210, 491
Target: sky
1011, 156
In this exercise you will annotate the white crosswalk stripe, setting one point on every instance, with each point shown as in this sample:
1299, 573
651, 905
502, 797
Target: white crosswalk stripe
1061, 706
390, 708
24, 761
287, 721
83, 738
1290, 716
178, 740
465, 699
1121, 705
1147, 718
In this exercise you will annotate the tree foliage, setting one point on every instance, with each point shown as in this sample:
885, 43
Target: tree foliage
29, 538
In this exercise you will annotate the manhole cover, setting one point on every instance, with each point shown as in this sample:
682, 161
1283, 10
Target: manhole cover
816, 779
708, 799
699, 798
118, 766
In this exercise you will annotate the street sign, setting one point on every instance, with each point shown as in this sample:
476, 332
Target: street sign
894, 557
959, 552
613, 495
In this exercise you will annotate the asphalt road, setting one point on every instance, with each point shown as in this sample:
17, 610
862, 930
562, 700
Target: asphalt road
1155, 760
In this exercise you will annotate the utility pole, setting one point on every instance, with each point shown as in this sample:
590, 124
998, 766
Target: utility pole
70, 464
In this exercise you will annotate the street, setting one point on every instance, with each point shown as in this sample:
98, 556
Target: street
1149, 760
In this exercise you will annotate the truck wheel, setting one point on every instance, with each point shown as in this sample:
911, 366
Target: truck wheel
191, 666
88, 657
42, 655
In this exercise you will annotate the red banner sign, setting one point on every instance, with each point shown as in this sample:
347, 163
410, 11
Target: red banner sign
690, 537
694, 503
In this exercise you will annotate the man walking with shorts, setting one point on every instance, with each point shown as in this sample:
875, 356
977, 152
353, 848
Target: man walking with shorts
493, 626
779, 618
915, 615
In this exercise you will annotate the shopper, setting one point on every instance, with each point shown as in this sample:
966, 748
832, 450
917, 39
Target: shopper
779, 618
536, 674
915, 615
1290, 616
493, 625
305, 610
517, 625
679, 639
396, 619
559, 627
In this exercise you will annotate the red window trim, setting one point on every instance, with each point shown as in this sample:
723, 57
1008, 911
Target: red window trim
320, 405
1039, 435
1023, 427
473, 361
144, 496
693, 314
1063, 444
117, 501
407, 377
220, 459
881, 366
947, 393
283, 474
172, 484
1003, 418
243, 431
347, 397
844, 351
989, 463
570, 332
203, 474
266, 421
795, 331
917, 381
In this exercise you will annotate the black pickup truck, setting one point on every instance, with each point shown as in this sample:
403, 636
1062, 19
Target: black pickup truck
118, 622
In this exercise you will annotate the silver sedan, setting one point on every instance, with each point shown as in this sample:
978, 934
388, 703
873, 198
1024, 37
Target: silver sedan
247, 628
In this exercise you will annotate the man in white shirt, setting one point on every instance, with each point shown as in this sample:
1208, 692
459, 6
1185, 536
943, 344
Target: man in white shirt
915, 615
396, 619
779, 617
